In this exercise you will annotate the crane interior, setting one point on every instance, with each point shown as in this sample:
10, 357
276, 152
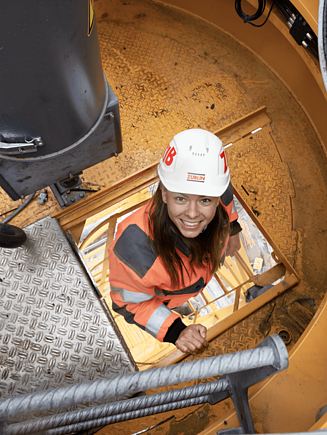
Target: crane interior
92, 92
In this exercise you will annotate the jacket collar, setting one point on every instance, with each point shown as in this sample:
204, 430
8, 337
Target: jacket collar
180, 244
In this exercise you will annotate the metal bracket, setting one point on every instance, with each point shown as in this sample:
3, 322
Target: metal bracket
255, 291
67, 191
299, 28
29, 146
240, 381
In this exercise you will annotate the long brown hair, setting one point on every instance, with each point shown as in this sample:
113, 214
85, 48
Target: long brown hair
206, 247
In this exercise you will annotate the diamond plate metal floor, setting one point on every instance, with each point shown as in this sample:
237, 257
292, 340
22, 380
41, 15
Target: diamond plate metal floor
54, 330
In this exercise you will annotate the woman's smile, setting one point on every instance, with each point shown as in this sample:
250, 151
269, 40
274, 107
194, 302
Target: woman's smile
190, 213
190, 224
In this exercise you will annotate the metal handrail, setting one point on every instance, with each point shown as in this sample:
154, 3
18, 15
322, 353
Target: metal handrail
270, 353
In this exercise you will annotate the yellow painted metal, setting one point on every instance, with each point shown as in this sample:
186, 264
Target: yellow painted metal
149, 352
309, 10
165, 66
320, 424
289, 281
131, 203
275, 46
100, 203
76, 231
105, 265
120, 200
294, 396
246, 310
299, 72
137, 198
104, 199
144, 348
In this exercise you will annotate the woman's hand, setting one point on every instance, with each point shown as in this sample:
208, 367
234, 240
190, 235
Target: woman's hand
193, 338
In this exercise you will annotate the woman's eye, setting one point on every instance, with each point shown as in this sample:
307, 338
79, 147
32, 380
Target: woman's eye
179, 198
206, 200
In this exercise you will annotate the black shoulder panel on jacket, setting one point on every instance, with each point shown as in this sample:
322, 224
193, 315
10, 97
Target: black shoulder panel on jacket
178, 241
128, 316
193, 288
133, 248
235, 228
227, 197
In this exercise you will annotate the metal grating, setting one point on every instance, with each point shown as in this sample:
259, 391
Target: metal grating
54, 331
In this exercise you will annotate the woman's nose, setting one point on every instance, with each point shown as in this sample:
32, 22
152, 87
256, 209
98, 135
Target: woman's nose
192, 210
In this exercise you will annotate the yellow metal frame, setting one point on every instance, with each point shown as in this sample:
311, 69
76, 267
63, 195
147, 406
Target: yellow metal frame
120, 199
292, 406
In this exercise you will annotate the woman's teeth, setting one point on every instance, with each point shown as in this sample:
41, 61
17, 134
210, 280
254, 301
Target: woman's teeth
190, 224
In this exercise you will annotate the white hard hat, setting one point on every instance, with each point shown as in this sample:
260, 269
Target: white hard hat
195, 163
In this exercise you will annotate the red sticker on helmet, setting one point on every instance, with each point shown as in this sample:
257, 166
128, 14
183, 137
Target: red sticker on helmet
169, 155
200, 178
223, 156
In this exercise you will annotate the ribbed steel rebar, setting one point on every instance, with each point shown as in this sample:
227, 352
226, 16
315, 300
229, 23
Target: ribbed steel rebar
140, 381
116, 408
127, 416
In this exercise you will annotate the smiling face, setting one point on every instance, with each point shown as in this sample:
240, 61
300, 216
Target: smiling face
190, 213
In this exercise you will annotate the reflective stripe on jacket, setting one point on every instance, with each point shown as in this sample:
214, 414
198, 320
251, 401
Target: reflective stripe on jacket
141, 288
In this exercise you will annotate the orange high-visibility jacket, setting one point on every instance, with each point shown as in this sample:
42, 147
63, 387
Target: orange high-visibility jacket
140, 285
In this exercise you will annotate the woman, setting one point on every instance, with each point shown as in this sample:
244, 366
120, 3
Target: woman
167, 251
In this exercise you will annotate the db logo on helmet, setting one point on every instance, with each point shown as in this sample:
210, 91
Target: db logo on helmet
224, 158
169, 155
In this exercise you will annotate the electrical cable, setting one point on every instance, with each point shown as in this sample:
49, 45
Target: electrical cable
314, 42
83, 190
285, 11
288, 10
8, 211
282, 11
312, 52
19, 209
248, 18
260, 25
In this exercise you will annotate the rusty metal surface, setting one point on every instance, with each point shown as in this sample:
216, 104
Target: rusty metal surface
53, 331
